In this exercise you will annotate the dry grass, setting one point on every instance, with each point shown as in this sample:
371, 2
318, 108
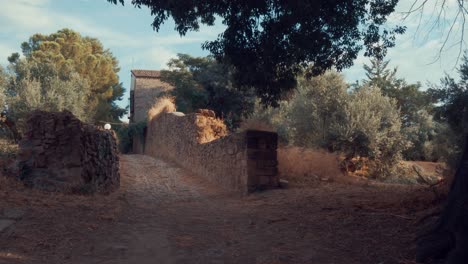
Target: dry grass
417, 172
8, 149
162, 105
209, 128
303, 166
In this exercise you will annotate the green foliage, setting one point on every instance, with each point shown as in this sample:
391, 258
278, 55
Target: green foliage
137, 130
270, 42
452, 99
271, 118
370, 127
39, 86
108, 110
315, 107
379, 75
124, 140
201, 82
409, 97
421, 134
3, 86
68, 53
127, 132
416, 107
189, 94
362, 123
305, 119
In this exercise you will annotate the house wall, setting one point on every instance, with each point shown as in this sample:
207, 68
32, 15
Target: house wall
145, 92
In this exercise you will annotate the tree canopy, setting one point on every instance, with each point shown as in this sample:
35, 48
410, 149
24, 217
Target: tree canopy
68, 53
34, 85
202, 82
452, 99
410, 98
269, 42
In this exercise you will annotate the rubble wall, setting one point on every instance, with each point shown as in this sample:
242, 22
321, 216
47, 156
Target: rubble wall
60, 153
199, 142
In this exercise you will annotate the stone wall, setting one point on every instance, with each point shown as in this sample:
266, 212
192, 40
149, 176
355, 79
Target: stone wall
60, 153
243, 161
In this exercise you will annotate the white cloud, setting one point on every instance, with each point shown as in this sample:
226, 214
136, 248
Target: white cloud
20, 15
155, 57
160, 56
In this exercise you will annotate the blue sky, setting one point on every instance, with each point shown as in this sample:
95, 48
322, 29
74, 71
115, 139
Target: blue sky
127, 32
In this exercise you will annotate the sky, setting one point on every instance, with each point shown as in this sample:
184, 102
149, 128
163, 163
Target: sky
126, 31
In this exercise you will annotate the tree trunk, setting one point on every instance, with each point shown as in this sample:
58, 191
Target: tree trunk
449, 238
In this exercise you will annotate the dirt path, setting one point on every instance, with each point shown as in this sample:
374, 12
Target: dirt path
162, 214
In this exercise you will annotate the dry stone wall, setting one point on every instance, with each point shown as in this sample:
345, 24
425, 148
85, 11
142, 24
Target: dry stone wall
199, 142
60, 153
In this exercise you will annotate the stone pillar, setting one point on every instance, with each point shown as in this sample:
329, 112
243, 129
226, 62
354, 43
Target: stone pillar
262, 162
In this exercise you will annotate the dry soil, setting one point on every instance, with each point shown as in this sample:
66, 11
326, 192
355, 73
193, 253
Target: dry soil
162, 214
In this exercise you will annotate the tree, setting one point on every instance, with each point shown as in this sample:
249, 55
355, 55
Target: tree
314, 109
449, 236
270, 42
3, 85
415, 105
70, 53
379, 75
107, 110
410, 99
452, 98
39, 86
370, 127
202, 82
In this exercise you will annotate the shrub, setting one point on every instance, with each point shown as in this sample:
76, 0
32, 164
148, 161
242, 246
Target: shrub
124, 141
370, 126
137, 130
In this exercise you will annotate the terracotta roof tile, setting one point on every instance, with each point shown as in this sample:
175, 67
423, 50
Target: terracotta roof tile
146, 73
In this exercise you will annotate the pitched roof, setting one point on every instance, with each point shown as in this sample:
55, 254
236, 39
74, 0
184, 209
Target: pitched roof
146, 73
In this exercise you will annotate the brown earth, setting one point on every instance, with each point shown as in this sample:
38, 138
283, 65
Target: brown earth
162, 214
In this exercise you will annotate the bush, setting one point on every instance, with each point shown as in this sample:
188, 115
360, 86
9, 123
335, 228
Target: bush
28, 92
123, 138
370, 126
